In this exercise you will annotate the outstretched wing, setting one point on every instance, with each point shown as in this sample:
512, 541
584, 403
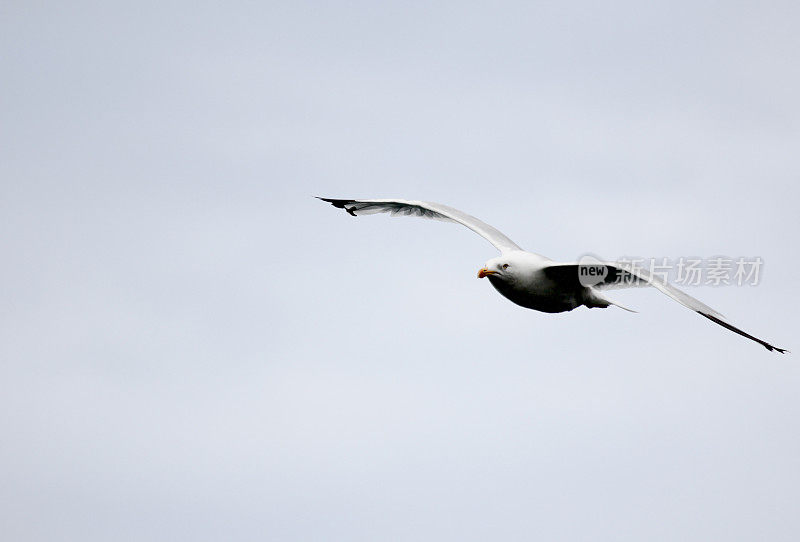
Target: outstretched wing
425, 209
624, 275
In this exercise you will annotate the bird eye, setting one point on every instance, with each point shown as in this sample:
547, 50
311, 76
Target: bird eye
505, 266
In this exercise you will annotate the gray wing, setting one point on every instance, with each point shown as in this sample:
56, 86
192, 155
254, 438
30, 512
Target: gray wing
624, 275
425, 209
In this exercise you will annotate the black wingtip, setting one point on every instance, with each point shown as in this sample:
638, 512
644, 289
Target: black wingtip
735, 329
340, 204
335, 202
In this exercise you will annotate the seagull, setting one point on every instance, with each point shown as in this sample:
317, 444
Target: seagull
536, 282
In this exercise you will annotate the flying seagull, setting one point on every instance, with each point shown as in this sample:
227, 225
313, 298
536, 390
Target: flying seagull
536, 282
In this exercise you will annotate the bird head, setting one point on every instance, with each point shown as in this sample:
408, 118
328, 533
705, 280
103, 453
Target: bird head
501, 268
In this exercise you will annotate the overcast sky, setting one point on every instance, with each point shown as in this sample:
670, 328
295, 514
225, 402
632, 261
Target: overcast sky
193, 348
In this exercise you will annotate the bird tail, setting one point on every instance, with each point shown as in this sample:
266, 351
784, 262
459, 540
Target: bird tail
596, 299
621, 306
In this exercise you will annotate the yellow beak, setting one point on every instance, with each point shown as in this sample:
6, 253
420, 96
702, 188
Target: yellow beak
484, 272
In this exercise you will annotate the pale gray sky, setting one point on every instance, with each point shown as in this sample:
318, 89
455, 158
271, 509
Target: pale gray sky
194, 348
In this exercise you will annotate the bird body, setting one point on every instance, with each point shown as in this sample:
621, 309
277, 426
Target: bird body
536, 282
519, 277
